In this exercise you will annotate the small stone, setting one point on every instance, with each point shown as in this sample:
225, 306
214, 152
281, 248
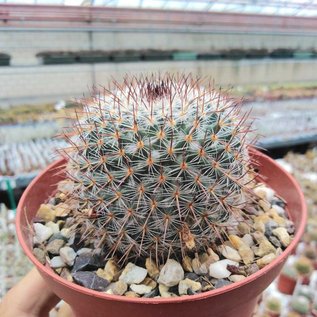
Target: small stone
221, 283
57, 236
164, 291
62, 210
87, 263
265, 247
282, 235
236, 278
110, 271
244, 228
131, 294
219, 269
46, 212
54, 246
65, 274
230, 253
42, 233
212, 255
85, 251
198, 267
248, 240
118, 288
54, 226
68, 255
187, 264
57, 262
152, 268
140, 288
269, 226
265, 192
149, 282
76, 242
265, 260
109, 291
279, 210
246, 253
259, 226
40, 255
90, 280
275, 241
152, 294
192, 276
206, 286
171, 274
133, 274
66, 232
251, 269
235, 241
185, 284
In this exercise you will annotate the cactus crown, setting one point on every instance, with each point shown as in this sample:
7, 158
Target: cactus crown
159, 165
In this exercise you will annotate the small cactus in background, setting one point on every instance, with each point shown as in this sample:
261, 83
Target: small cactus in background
300, 304
160, 167
273, 305
304, 266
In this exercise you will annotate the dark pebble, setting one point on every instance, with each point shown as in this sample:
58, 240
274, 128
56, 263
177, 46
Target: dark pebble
269, 227
88, 263
90, 280
38, 220
153, 293
192, 276
221, 283
190, 292
279, 202
78, 242
275, 241
174, 289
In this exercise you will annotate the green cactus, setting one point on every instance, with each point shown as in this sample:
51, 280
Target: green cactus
160, 166
304, 266
273, 305
300, 304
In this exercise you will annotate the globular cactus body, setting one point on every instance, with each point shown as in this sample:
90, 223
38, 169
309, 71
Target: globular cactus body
159, 165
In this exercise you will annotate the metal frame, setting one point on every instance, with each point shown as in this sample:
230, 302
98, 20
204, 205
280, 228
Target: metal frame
273, 7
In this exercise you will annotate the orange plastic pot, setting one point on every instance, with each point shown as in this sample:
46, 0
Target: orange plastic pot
285, 284
235, 300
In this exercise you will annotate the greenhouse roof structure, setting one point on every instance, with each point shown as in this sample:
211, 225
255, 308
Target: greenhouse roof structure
268, 7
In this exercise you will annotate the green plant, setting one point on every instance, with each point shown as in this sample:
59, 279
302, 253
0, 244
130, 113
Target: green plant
273, 304
160, 165
304, 266
310, 252
306, 291
300, 304
290, 271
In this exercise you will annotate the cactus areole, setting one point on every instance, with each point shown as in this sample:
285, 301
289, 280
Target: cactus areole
160, 166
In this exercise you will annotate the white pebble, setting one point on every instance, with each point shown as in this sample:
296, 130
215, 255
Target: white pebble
57, 262
140, 289
230, 253
42, 233
171, 274
219, 269
133, 274
68, 255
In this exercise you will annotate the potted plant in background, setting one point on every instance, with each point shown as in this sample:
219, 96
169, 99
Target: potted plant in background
304, 267
287, 279
156, 208
273, 307
301, 305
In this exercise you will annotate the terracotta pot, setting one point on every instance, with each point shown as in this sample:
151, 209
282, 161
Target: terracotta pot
235, 300
285, 284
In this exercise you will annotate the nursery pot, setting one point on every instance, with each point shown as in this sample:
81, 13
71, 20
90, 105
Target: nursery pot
286, 284
234, 300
